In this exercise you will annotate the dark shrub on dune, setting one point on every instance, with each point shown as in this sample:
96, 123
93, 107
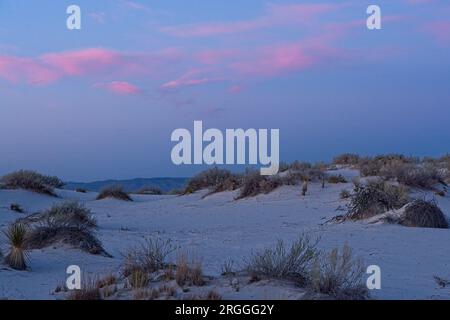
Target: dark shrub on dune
32, 181
71, 213
337, 179
424, 214
50, 233
375, 198
69, 223
114, 192
150, 191
254, 184
207, 179
346, 159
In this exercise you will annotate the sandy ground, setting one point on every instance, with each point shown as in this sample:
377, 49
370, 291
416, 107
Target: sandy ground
219, 228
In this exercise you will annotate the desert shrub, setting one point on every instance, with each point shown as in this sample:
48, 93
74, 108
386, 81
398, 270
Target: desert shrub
50, 233
150, 191
346, 159
138, 279
337, 179
300, 166
69, 213
283, 166
424, 176
254, 184
32, 181
188, 270
285, 263
18, 255
293, 178
80, 190
373, 166
149, 256
345, 194
213, 295
106, 281
375, 198
88, 291
338, 275
115, 192
207, 179
16, 207
424, 214
229, 184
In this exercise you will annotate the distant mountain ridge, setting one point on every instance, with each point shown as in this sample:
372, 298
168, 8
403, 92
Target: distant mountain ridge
130, 185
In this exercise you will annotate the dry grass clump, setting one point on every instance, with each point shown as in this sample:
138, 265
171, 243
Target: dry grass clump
424, 176
148, 257
32, 181
339, 275
254, 184
50, 233
89, 291
281, 262
80, 190
17, 256
138, 279
346, 159
424, 214
68, 223
150, 191
337, 179
207, 179
229, 184
114, 192
69, 213
375, 198
188, 270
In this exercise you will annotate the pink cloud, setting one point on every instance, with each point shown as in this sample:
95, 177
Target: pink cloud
439, 30
274, 15
191, 78
119, 87
90, 62
275, 60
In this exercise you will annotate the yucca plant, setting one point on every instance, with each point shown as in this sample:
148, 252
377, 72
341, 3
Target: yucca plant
18, 255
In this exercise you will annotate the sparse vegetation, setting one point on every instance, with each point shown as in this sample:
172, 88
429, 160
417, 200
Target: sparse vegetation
89, 291
69, 213
32, 181
346, 159
338, 275
18, 255
375, 198
337, 179
114, 192
188, 270
149, 256
424, 214
68, 223
281, 262
254, 184
150, 191
80, 190
207, 179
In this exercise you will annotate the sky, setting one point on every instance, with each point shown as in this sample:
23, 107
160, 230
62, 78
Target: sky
102, 102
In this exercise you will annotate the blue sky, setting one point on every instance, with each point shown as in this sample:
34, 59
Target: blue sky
101, 102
